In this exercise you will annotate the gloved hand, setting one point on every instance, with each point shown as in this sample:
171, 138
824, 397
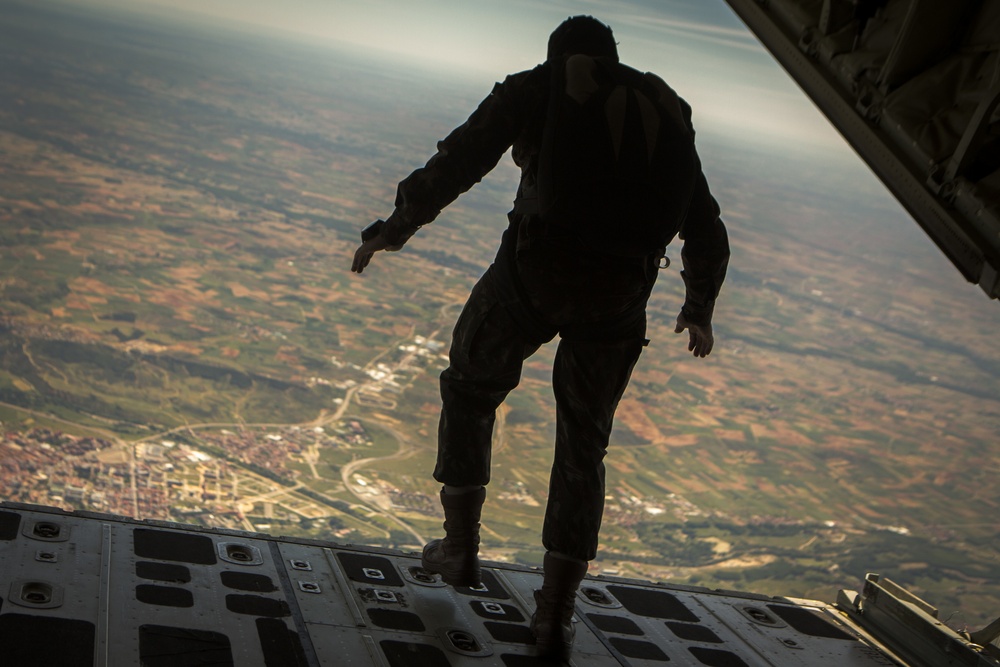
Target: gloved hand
372, 240
363, 255
701, 339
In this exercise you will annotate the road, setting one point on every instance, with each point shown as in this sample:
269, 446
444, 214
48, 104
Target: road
312, 454
406, 450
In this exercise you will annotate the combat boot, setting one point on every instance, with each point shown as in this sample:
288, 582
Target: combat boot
552, 622
456, 557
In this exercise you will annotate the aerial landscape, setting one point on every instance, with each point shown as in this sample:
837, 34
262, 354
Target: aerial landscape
181, 337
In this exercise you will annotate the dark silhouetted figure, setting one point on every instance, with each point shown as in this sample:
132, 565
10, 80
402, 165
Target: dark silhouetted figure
609, 175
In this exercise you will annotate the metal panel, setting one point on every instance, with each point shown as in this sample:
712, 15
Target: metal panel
123, 592
910, 626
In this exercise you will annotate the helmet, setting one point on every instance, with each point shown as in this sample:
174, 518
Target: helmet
584, 35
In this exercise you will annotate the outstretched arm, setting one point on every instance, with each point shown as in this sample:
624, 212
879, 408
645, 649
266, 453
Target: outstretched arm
466, 155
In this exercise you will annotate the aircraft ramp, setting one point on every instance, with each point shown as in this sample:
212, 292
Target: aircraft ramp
83, 589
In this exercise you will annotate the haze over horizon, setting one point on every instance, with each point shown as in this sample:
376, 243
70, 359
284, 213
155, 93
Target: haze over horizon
698, 46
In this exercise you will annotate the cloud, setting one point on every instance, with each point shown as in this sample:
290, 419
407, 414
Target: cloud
735, 38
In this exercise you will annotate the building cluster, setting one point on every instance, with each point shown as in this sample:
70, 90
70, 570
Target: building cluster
42, 331
414, 501
354, 434
388, 379
162, 479
264, 451
627, 507
48, 467
270, 451
518, 492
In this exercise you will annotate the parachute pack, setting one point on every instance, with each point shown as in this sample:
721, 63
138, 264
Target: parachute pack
617, 164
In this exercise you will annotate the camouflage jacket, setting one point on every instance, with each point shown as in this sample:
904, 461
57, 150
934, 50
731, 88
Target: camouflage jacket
513, 115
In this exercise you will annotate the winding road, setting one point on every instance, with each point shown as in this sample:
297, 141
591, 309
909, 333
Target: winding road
363, 495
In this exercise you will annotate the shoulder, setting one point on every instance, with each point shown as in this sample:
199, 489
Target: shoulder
668, 98
535, 77
523, 91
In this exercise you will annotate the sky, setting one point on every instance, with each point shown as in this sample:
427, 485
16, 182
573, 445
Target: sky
698, 46
739, 94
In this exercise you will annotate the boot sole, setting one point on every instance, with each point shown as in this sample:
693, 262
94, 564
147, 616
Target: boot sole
556, 651
551, 645
551, 648
455, 578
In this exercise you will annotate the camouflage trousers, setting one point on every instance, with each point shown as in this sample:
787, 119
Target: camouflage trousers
598, 348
